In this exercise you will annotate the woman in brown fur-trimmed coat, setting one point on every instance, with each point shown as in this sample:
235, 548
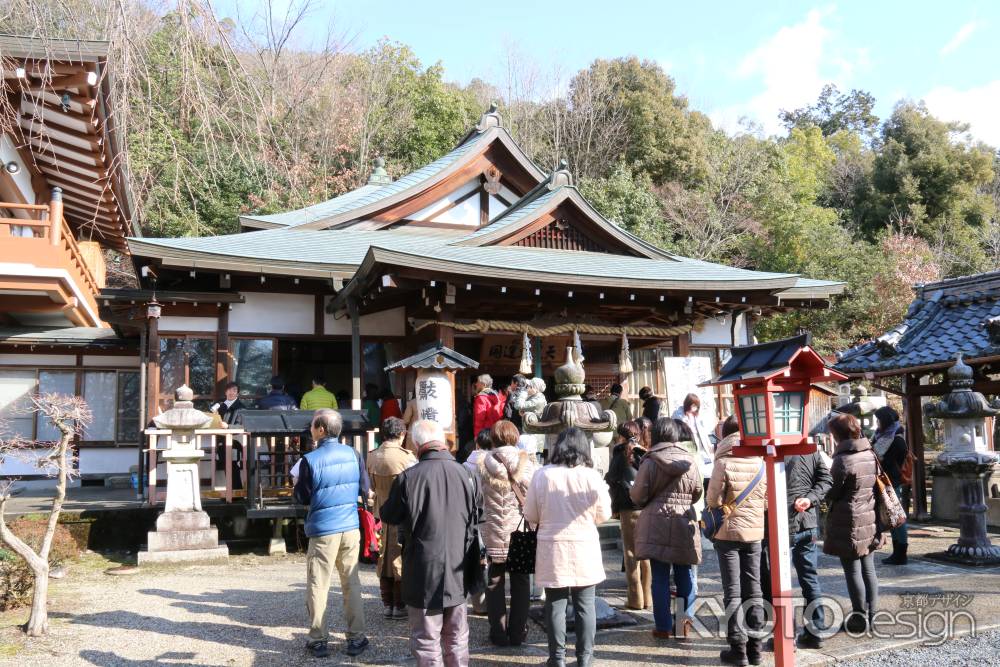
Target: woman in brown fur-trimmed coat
501, 468
851, 532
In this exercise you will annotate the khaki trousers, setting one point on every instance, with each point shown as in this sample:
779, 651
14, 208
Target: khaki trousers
638, 575
340, 551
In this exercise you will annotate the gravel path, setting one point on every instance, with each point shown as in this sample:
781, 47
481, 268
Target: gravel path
981, 650
250, 612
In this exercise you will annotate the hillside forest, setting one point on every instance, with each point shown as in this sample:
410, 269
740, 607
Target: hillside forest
224, 115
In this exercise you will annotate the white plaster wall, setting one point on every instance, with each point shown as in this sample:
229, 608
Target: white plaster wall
713, 332
266, 312
107, 460
22, 178
183, 323
110, 361
390, 322
19, 467
37, 360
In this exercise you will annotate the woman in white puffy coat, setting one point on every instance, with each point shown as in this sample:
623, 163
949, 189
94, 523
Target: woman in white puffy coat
567, 500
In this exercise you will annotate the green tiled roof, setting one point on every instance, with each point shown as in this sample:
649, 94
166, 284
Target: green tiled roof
346, 249
314, 246
595, 267
317, 211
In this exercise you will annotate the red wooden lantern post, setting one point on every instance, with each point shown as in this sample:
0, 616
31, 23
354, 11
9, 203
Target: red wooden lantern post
771, 384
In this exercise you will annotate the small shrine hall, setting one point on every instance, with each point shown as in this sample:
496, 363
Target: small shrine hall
481, 250
476, 250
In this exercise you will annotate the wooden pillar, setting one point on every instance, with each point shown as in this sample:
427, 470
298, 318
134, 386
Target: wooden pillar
223, 362
143, 399
681, 345
446, 334
153, 370
352, 310
915, 434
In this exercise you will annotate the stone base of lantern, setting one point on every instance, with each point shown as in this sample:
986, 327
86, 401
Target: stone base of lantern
973, 546
182, 536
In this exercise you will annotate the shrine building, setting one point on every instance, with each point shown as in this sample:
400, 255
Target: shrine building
476, 250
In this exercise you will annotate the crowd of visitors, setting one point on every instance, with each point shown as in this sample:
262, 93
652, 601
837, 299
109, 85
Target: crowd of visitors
455, 534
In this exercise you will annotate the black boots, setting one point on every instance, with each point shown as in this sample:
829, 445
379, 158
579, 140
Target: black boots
898, 556
742, 655
736, 654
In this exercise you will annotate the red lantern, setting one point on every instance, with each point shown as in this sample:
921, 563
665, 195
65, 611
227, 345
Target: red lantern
771, 385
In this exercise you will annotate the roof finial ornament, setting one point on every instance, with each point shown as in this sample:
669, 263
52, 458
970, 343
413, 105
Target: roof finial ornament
379, 175
560, 176
489, 119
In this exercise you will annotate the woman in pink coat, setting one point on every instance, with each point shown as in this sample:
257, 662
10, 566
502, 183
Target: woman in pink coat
567, 500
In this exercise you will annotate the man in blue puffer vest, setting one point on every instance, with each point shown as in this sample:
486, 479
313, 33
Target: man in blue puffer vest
331, 477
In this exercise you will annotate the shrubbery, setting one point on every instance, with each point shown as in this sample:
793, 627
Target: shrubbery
15, 576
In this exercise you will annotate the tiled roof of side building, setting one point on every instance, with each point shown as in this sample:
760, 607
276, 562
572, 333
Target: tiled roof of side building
946, 318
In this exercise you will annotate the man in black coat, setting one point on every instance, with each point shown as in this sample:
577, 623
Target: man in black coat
807, 480
434, 504
229, 410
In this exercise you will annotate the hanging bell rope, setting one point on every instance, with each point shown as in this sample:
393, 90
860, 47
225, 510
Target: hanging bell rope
526, 367
624, 358
501, 326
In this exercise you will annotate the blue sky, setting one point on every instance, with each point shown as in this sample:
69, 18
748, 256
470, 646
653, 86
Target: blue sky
731, 59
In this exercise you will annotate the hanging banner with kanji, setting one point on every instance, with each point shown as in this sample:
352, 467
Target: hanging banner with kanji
434, 397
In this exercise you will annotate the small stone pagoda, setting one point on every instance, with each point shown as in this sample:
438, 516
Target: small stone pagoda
967, 458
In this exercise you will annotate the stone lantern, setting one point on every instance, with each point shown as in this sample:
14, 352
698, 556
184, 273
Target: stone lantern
862, 407
183, 532
569, 409
967, 458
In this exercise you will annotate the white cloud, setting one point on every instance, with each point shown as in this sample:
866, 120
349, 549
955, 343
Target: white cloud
976, 106
792, 65
959, 37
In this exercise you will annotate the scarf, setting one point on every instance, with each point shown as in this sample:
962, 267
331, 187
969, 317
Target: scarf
432, 446
884, 439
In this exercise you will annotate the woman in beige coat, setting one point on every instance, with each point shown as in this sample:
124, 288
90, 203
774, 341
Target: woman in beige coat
567, 499
384, 465
669, 483
737, 543
501, 468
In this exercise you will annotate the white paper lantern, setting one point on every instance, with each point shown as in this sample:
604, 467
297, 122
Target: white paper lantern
434, 398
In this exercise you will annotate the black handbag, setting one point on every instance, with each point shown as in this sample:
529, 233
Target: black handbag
524, 539
522, 549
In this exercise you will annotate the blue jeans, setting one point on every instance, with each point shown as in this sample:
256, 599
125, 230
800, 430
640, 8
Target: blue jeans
683, 579
805, 558
900, 534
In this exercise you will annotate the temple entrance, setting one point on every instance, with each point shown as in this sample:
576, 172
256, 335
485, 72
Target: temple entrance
300, 360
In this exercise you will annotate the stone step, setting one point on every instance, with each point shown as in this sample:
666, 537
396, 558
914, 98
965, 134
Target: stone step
118, 482
148, 557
